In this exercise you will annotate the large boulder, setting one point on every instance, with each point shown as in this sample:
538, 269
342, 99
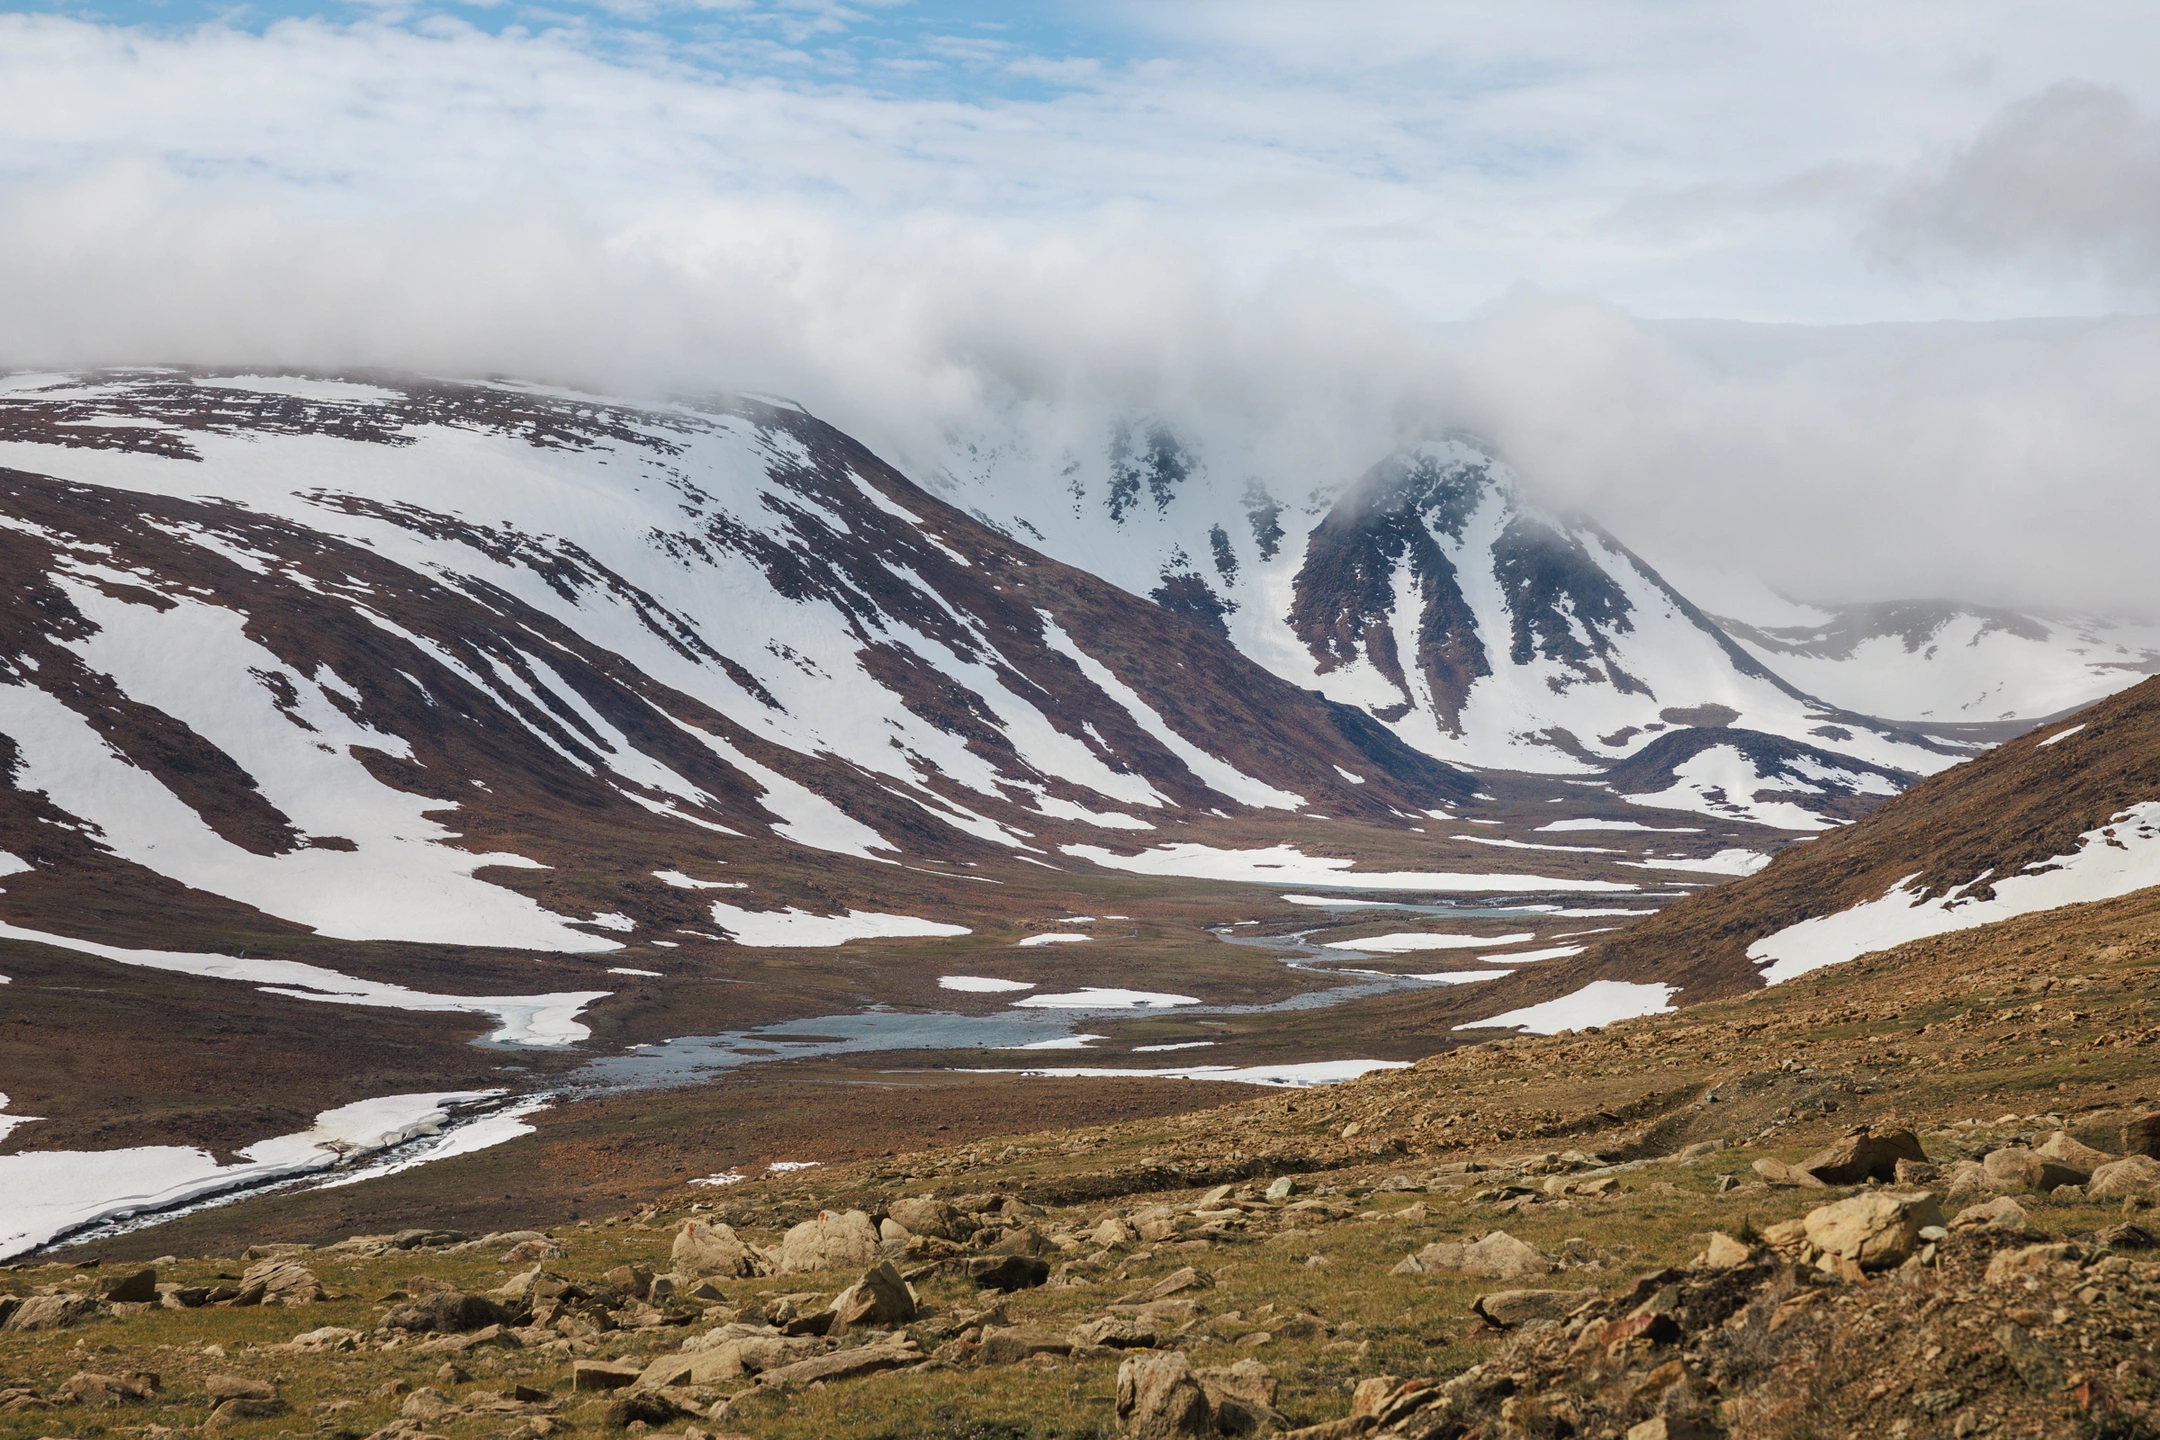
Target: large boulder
1158, 1398
87, 1387
1007, 1272
1122, 1332
48, 1312
2141, 1134
922, 1215
2065, 1149
1865, 1152
279, 1282
1011, 1344
2018, 1170
1876, 1231
701, 1249
2002, 1213
1241, 1399
136, 1288
880, 1299
2131, 1175
1499, 1256
830, 1242
448, 1311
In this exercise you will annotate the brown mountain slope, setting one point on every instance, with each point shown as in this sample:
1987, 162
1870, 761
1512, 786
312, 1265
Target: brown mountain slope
2021, 804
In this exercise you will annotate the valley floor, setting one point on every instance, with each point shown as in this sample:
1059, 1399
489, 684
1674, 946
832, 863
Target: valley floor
1612, 1154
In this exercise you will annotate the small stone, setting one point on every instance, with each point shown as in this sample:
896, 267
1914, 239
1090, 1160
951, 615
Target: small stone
1282, 1188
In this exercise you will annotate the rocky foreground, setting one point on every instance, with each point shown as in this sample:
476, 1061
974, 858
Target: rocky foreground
1903, 1198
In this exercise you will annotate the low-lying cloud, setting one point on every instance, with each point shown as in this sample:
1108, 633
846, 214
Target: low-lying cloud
888, 265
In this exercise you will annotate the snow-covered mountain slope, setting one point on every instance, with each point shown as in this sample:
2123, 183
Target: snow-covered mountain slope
1428, 592
410, 660
1947, 662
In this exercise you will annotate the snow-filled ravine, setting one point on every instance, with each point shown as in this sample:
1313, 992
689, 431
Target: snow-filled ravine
47, 1194
2115, 859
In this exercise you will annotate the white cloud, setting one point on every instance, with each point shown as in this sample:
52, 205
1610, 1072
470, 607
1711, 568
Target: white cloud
2068, 179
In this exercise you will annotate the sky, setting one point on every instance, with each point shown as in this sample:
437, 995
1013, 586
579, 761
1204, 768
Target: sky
1767, 286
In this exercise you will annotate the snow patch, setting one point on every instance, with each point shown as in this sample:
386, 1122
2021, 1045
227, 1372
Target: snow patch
1586, 824
2059, 735
1601, 1002
681, 881
982, 984
1405, 944
1056, 940
11, 864
1164, 1049
1289, 1077
1286, 864
1524, 957
1093, 998
800, 929
1063, 1042
1725, 862
627, 970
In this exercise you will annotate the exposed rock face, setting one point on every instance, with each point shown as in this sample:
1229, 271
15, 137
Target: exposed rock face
1158, 1398
703, 1249
830, 1242
1870, 1153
